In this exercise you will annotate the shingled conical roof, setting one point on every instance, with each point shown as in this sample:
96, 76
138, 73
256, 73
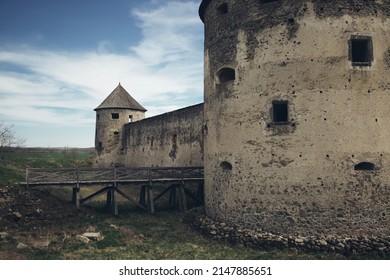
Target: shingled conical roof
120, 99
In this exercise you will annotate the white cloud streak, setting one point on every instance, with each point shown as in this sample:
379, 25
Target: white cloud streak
162, 72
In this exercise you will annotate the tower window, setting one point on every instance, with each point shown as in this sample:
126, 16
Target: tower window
226, 75
130, 118
226, 166
267, 1
361, 50
364, 166
223, 9
115, 116
280, 112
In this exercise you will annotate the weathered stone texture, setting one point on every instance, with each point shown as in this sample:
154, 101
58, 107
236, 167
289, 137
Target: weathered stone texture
298, 176
167, 140
108, 136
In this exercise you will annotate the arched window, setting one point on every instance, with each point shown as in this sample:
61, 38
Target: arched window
364, 166
226, 74
226, 166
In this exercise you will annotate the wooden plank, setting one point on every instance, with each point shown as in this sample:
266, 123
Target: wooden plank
96, 194
190, 194
121, 174
131, 199
162, 193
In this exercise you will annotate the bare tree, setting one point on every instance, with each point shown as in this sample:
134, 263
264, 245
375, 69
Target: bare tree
8, 138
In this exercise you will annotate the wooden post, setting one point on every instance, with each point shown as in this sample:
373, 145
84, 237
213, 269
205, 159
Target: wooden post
76, 197
27, 176
182, 194
108, 201
149, 194
200, 192
142, 195
172, 195
76, 190
114, 204
182, 198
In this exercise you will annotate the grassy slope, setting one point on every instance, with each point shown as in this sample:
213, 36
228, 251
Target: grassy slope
13, 163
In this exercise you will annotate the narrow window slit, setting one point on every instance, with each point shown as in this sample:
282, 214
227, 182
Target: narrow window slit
364, 166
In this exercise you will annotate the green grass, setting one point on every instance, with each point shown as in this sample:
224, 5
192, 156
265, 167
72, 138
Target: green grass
14, 162
160, 236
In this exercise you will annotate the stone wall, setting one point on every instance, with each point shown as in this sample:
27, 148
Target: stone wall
298, 171
174, 139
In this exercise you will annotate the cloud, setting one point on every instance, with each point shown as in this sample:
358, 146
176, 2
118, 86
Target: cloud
163, 71
172, 30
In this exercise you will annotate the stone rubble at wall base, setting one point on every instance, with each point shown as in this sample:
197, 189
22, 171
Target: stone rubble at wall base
258, 239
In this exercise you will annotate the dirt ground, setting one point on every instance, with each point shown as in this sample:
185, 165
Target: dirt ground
31, 218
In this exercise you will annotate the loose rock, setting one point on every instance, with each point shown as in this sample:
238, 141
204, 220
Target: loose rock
82, 239
21, 246
266, 240
94, 236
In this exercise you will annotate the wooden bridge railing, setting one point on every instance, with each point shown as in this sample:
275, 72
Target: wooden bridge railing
111, 178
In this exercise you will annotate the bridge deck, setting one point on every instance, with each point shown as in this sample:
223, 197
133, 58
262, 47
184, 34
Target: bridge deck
173, 179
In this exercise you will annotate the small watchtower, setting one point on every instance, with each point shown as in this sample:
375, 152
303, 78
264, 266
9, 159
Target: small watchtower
118, 109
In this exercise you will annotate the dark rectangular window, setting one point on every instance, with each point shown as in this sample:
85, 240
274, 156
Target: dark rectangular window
280, 112
130, 118
361, 50
267, 1
115, 116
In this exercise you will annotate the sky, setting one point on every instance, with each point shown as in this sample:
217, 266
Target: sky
59, 59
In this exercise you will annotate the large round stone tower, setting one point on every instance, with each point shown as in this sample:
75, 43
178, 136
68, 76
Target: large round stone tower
118, 109
297, 118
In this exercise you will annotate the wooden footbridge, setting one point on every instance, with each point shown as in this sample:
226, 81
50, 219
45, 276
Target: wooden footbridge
113, 181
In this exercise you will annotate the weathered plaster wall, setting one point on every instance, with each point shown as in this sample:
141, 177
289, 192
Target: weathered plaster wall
168, 140
299, 176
